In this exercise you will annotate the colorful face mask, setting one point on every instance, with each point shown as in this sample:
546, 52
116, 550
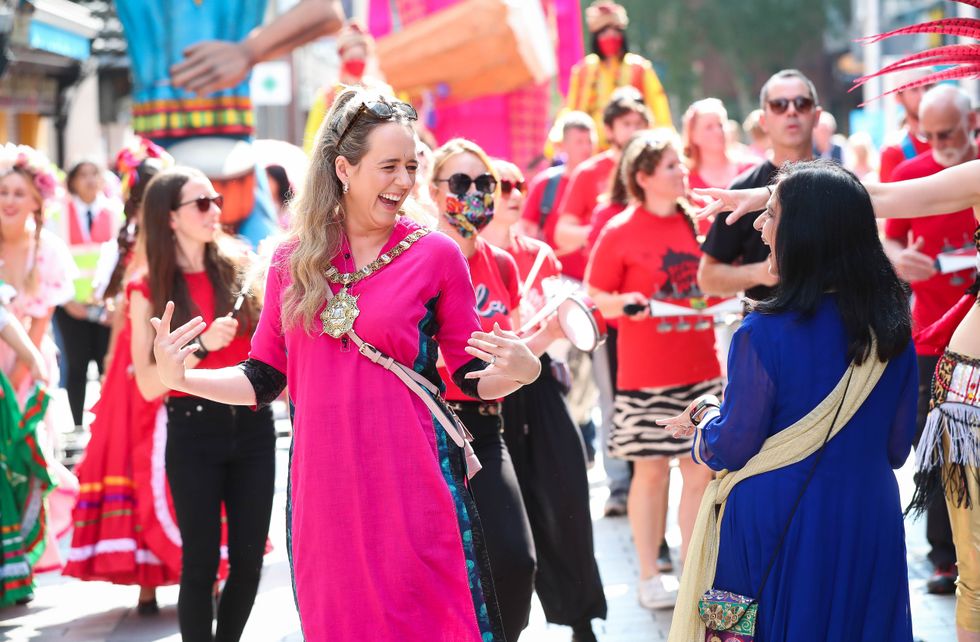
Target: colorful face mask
611, 44
354, 67
470, 213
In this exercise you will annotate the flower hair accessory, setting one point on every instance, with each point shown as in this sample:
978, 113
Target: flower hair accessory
46, 176
131, 156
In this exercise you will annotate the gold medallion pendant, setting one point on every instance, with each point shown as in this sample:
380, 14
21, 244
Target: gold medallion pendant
339, 314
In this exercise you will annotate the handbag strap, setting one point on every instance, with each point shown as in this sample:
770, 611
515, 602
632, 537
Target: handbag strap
799, 498
428, 393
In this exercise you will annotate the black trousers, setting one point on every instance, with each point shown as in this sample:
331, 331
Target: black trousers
549, 458
218, 454
82, 341
506, 530
939, 533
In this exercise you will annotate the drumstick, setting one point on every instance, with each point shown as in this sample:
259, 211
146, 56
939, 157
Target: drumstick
538, 262
246, 286
550, 308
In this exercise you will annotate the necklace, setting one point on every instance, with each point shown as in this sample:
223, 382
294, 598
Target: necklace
341, 310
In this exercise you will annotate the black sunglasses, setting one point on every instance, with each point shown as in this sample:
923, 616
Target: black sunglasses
508, 186
204, 202
460, 183
802, 104
382, 110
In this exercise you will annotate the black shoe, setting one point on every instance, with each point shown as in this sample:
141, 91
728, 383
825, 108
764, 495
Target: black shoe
583, 633
149, 607
943, 581
615, 506
664, 563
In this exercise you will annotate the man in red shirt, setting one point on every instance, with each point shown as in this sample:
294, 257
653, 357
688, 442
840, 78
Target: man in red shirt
947, 122
578, 141
623, 116
909, 144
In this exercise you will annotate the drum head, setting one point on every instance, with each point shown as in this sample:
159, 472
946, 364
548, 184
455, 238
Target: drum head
582, 323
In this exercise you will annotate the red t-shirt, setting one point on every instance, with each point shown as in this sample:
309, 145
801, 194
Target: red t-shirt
894, 155
525, 251
935, 296
587, 183
600, 217
658, 256
496, 295
535, 196
202, 294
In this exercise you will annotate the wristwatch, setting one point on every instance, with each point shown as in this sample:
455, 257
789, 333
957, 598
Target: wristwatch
201, 351
705, 405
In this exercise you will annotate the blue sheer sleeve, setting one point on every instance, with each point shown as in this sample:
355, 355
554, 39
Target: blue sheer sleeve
738, 432
904, 425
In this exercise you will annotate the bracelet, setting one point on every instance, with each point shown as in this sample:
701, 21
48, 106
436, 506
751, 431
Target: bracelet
702, 408
201, 351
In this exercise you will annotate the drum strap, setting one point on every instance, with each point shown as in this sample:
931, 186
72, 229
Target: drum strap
430, 396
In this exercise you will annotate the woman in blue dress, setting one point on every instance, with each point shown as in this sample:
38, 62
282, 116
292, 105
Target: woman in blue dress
840, 573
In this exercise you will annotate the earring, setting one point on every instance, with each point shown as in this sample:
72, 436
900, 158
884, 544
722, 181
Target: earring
346, 187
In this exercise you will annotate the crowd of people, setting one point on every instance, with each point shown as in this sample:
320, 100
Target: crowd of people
408, 308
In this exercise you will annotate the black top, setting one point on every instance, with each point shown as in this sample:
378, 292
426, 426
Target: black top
741, 243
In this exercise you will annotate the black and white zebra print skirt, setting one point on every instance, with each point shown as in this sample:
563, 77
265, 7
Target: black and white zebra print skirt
635, 435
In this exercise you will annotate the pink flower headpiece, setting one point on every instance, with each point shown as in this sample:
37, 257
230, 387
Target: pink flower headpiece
129, 158
45, 174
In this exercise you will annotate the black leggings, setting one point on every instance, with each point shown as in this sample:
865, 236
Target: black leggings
219, 454
82, 341
506, 530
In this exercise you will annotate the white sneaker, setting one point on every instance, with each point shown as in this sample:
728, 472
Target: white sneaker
657, 593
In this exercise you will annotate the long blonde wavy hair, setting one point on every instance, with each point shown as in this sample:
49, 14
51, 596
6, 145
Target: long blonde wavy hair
318, 210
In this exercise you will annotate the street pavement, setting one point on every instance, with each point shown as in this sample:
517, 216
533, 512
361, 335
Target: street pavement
67, 610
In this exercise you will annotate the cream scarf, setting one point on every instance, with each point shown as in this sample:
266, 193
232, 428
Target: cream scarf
786, 447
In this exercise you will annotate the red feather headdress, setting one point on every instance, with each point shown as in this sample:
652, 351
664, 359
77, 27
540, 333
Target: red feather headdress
962, 61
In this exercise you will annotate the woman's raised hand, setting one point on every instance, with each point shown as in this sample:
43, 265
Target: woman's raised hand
171, 348
506, 354
738, 201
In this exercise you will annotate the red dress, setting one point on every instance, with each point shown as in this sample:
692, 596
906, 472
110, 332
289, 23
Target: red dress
125, 526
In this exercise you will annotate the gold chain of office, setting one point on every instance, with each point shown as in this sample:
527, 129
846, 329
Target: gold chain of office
350, 278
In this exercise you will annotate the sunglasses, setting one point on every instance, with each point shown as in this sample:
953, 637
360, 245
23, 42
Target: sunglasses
204, 202
802, 104
508, 186
382, 110
460, 183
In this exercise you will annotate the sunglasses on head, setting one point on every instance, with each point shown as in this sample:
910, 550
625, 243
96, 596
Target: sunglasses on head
204, 202
802, 104
381, 110
508, 186
460, 183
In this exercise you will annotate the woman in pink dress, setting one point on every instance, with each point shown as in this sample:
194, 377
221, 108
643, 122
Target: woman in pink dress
384, 539
39, 266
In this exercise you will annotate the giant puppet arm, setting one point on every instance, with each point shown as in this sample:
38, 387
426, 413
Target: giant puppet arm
212, 65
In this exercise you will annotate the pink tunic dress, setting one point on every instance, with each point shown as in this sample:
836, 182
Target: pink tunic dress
384, 539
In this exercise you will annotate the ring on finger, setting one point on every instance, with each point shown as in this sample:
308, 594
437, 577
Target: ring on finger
493, 360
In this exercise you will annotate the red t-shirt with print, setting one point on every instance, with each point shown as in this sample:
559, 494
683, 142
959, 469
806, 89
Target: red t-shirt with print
657, 256
587, 183
934, 296
496, 296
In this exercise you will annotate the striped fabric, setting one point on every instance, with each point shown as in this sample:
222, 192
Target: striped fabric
635, 435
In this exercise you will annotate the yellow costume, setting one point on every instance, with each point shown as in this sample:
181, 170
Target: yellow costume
594, 80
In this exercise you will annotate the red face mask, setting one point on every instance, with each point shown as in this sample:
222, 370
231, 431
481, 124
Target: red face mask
611, 44
354, 67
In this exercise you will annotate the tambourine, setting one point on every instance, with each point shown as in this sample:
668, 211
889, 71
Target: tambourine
699, 309
582, 323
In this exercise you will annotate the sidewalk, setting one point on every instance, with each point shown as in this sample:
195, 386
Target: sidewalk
66, 610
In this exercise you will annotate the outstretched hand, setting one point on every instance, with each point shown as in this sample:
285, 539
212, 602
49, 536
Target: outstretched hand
210, 66
506, 354
738, 201
682, 425
171, 348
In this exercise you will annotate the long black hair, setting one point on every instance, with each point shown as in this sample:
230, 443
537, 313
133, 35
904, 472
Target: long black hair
827, 241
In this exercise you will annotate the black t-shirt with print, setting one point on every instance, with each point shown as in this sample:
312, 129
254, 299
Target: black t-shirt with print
741, 243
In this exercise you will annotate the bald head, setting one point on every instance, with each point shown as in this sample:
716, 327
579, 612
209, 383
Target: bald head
947, 121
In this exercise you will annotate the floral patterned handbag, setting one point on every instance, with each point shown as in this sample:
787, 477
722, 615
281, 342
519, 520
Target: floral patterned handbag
730, 617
